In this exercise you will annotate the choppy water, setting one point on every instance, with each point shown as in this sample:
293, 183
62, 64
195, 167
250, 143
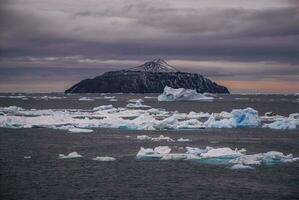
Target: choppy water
44, 176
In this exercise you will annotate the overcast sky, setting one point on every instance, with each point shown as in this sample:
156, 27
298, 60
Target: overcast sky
249, 46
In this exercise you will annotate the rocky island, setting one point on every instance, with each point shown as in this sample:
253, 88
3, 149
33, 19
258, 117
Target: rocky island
151, 77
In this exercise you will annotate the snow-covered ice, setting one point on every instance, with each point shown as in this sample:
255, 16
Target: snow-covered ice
86, 99
80, 130
182, 94
104, 158
184, 140
107, 116
236, 159
70, 155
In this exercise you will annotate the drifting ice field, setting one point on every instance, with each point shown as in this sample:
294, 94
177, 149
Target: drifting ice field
92, 160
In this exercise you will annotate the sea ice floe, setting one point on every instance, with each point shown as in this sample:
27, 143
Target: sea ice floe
137, 104
27, 157
107, 116
135, 100
86, 99
80, 130
155, 139
184, 140
236, 159
70, 155
104, 158
182, 94
113, 100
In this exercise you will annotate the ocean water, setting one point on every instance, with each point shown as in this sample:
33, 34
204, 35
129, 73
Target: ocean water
44, 176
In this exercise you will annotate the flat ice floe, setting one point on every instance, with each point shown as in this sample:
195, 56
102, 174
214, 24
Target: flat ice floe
86, 99
155, 139
70, 155
182, 94
80, 130
236, 159
104, 158
107, 116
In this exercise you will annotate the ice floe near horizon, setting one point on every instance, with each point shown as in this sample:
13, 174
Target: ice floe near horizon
237, 159
107, 116
70, 155
182, 94
86, 99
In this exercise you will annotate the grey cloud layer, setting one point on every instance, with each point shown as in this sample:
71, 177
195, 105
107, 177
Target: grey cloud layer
132, 31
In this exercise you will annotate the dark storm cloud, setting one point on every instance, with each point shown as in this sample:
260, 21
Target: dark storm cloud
261, 35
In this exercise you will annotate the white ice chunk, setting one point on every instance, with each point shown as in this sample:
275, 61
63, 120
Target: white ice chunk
240, 166
86, 99
103, 107
137, 104
182, 94
80, 130
184, 140
27, 157
70, 155
162, 150
224, 152
135, 100
281, 124
104, 158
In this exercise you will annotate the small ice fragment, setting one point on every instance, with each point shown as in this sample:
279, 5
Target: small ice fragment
113, 100
27, 157
162, 150
224, 152
80, 130
86, 99
103, 107
137, 104
241, 166
162, 137
143, 137
135, 100
184, 140
70, 155
104, 158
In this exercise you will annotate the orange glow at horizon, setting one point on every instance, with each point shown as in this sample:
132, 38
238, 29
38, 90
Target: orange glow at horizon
262, 86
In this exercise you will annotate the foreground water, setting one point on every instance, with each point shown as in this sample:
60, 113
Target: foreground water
44, 176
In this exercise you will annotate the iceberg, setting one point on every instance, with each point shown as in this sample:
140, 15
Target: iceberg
224, 152
182, 94
70, 155
104, 158
247, 117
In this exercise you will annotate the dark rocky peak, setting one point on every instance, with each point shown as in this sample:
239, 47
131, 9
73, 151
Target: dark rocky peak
156, 65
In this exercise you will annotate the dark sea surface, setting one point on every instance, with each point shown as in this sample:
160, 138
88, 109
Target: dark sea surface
46, 177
